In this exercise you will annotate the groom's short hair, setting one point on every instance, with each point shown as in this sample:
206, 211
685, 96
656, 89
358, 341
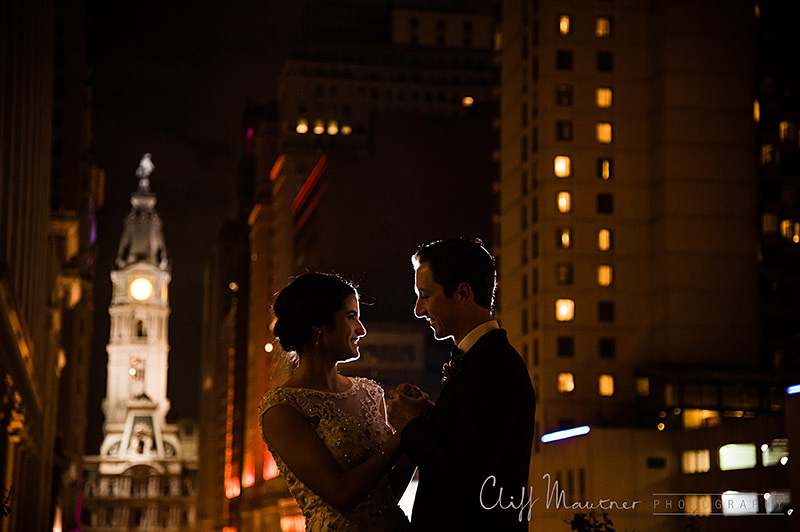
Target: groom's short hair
457, 261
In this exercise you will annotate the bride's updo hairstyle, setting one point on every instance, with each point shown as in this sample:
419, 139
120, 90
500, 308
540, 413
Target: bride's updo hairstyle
310, 300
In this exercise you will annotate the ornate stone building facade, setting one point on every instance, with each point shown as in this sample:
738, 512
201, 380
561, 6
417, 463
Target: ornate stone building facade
145, 475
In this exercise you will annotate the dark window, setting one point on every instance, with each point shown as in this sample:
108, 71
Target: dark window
535, 244
606, 311
524, 183
524, 321
523, 218
535, 139
524, 149
605, 203
566, 346
605, 62
656, 462
524, 288
607, 347
564, 59
564, 273
525, 45
535, 280
535, 72
564, 130
524, 251
564, 95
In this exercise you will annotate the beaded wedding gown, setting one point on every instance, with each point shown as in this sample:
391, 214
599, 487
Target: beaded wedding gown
352, 424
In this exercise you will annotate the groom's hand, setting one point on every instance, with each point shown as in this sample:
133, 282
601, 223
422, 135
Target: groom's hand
402, 408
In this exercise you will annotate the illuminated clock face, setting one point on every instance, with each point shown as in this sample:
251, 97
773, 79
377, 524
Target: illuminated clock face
141, 289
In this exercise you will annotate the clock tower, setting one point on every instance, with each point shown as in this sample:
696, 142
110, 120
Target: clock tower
146, 472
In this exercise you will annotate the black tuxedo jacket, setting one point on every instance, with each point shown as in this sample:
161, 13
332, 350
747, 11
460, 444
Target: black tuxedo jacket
481, 426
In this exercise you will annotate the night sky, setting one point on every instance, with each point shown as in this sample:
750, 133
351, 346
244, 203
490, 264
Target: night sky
173, 79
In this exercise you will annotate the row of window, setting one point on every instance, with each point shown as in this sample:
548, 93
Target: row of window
605, 242
603, 25
735, 456
565, 275
389, 93
604, 61
605, 203
562, 167
565, 310
603, 131
603, 96
565, 347
565, 383
603, 99
320, 127
788, 228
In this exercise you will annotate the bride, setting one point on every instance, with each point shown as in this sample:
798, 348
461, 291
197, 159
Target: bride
327, 432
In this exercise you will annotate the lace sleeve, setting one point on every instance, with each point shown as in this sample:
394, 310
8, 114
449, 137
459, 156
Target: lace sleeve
275, 397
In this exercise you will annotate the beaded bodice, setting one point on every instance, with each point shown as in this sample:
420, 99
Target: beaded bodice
352, 425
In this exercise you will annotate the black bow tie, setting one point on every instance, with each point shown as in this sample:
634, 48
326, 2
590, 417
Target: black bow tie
452, 367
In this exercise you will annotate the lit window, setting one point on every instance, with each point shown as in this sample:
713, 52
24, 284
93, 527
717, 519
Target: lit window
564, 26
347, 130
603, 27
565, 309
604, 97
695, 461
603, 132
302, 126
786, 131
333, 127
756, 111
319, 127
605, 275
695, 418
643, 386
566, 382
561, 166
564, 237
786, 228
605, 385
605, 168
564, 202
698, 504
736, 503
467, 101
775, 452
769, 154
737, 456
604, 239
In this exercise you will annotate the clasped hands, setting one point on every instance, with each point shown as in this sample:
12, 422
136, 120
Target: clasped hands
406, 402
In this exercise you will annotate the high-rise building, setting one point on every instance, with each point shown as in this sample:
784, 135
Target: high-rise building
776, 112
628, 249
145, 476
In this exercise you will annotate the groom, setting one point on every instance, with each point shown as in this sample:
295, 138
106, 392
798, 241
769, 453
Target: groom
482, 423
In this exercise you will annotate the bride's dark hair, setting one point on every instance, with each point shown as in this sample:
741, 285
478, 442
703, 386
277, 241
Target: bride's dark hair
309, 300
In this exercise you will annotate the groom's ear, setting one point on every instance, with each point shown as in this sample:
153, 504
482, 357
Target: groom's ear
465, 293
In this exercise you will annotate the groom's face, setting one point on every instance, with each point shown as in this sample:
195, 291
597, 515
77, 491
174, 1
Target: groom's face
433, 305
